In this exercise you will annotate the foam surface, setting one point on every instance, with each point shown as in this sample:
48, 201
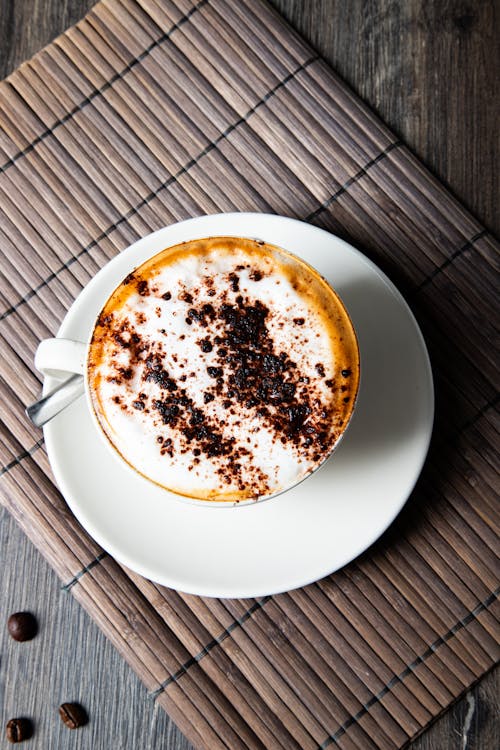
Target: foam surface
222, 369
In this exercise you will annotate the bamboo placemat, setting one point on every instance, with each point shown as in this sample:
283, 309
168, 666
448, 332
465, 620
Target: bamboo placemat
149, 112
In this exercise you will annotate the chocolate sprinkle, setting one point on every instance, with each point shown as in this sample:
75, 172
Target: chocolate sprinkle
205, 346
320, 369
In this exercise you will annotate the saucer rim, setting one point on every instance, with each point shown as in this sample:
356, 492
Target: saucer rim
236, 591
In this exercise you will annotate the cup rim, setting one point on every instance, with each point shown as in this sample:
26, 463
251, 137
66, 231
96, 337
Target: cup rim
229, 503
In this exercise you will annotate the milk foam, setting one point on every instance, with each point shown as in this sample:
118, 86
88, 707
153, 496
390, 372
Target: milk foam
169, 364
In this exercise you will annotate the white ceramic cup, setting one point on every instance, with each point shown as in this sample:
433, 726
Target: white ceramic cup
59, 358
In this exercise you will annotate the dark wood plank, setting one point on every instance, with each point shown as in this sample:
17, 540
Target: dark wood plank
429, 70
470, 724
68, 660
28, 25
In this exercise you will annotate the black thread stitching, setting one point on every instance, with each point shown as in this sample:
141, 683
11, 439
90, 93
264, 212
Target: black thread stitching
76, 578
215, 642
410, 668
450, 260
97, 92
25, 454
352, 180
154, 193
472, 421
360, 174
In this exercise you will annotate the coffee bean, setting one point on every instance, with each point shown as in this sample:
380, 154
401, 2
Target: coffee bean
22, 626
73, 715
18, 730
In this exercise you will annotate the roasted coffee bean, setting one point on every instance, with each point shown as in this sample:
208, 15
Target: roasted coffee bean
22, 626
18, 730
73, 715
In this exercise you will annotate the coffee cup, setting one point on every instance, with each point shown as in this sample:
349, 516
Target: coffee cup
223, 369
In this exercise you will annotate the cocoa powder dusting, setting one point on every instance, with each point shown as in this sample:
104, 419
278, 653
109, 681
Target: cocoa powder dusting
248, 374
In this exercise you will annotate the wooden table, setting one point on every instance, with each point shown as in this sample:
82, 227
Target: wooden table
428, 68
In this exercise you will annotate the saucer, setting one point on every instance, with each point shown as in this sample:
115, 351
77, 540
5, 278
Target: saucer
299, 536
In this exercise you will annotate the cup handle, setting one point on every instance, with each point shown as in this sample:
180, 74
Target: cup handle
58, 357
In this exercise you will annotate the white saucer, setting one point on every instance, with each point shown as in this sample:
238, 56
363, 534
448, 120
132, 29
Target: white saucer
306, 533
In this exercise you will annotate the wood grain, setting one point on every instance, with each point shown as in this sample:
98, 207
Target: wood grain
429, 68
426, 68
69, 660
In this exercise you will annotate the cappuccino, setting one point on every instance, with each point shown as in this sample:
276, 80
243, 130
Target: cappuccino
223, 369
